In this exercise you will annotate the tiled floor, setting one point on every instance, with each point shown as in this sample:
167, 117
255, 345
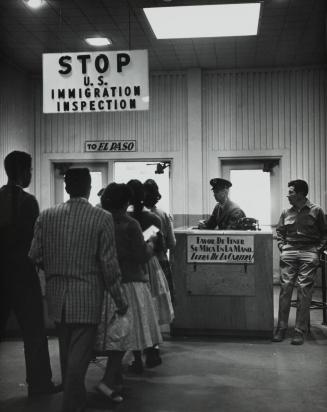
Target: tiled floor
199, 375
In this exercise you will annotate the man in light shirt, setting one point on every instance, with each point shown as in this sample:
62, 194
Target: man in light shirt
301, 236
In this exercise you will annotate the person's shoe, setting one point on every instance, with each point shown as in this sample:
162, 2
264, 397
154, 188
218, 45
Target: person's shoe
50, 389
109, 393
279, 335
153, 358
298, 338
136, 367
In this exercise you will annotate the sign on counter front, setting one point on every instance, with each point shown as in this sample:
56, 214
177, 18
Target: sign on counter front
110, 146
220, 249
95, 81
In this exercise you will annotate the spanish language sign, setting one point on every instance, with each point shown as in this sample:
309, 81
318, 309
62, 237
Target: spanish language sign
95, 81
220, 249
110, 146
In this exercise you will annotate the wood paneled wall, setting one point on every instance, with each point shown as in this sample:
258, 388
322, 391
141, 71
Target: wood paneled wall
275, 110
16, 113
161, 129
242, 112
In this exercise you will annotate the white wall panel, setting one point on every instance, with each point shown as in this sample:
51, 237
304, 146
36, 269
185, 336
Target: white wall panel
163, 128
270, 111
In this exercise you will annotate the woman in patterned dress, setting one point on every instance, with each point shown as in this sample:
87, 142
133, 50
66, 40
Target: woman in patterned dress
133, 252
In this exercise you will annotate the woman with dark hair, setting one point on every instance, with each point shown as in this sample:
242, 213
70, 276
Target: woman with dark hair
132, 252
158, 283
151, 198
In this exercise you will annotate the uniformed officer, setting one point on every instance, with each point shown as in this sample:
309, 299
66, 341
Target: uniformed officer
226, 213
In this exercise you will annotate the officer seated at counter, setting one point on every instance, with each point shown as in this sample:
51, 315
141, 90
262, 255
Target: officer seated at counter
226, 214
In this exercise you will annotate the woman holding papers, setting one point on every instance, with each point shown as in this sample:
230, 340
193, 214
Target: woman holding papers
158, 283
133, 252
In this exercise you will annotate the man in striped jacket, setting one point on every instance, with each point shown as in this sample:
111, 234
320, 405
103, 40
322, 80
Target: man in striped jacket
75, 245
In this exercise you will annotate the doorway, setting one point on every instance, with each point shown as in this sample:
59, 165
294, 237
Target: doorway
126, 170
99, 179
255, 187
120, 171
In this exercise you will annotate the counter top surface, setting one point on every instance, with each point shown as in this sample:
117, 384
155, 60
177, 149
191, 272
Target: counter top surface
194, 231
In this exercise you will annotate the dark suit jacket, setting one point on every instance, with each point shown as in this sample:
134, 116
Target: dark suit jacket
18, 213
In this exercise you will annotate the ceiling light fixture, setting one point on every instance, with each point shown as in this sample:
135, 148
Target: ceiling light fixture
219, 20
98, 41
34, 4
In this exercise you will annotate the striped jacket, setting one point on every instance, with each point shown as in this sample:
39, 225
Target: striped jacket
74, 243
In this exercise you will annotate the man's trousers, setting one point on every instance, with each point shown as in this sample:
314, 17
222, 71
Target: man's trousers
76, 342
21, 294
297, 267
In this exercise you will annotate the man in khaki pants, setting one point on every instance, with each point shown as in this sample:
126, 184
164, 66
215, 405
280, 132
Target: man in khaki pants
301, 236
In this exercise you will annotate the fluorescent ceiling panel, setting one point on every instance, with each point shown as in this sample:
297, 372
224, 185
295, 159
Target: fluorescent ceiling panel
34, 4
98, 41
221, 20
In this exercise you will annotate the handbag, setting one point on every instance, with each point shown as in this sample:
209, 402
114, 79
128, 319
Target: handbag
118, 328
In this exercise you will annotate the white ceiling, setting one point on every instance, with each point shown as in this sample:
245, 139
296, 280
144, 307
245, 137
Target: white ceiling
291, 33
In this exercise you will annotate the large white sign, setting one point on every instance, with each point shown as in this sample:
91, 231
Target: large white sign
95, 81
220, 249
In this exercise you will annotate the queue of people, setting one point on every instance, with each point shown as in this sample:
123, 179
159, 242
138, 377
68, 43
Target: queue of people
101, 269
98, 268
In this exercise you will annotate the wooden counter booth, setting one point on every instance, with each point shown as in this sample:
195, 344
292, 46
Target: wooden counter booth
223, 283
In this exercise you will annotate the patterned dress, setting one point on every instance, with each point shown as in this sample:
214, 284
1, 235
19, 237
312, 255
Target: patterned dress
141, 316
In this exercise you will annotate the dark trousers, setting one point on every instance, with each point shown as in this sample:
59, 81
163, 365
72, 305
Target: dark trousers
21, 293
76, 342
113, 377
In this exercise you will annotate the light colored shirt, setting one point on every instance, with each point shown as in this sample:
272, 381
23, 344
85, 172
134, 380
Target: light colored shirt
166, 228
304, 228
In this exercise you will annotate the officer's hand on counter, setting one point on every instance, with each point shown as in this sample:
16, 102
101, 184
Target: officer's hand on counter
201, 224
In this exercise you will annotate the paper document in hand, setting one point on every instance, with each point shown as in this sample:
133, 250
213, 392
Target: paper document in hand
150, 231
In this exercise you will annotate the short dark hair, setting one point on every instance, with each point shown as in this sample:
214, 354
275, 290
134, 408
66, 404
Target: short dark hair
151, 193
78, 181
17, 163
300, 186
137, 198
115, 196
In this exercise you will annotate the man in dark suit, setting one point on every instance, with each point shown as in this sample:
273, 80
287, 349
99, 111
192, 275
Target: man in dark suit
74, 243
20, 286
226, 213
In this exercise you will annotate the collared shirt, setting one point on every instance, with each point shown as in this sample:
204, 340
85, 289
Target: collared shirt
302, 228
167, 231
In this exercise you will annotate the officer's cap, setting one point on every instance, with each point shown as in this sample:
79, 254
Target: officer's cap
219, 184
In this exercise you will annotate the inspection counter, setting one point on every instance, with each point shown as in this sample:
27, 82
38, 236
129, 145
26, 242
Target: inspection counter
223, 283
